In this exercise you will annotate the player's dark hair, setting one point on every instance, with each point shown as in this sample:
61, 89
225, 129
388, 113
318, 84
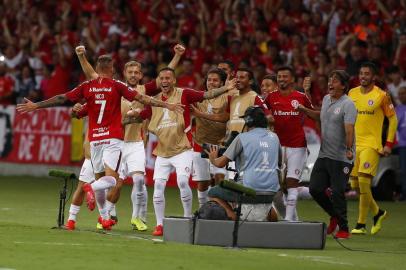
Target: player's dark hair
228, 63
221, 73
372, 67
104, 61
271, 76
288, 68
343, 77
167, 69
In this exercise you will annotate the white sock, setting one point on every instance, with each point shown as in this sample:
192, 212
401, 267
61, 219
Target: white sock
104, 182
137, 194
144, 205
159, 200
108, 207
291, 202
185, 195
113, 211
73, 211
202, 197
100, 199
304, 193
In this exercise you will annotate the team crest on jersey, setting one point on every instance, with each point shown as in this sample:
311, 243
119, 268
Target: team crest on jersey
370, 102
367, 165
294, 103
346, 170
337, 110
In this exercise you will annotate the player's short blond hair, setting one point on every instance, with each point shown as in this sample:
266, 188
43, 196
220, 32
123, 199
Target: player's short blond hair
132, 64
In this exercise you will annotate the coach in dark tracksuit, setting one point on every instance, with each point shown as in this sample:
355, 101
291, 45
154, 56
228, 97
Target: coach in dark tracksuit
334, 163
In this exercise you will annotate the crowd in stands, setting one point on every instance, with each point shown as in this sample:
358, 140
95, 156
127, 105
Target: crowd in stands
37, 39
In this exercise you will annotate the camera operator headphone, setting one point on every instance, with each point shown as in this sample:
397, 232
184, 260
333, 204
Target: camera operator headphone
254, 116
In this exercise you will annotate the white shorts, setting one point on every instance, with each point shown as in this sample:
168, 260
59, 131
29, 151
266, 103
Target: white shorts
133, 159
203, 169
216, 170
181, 162
295, 159
106, 153
86, 172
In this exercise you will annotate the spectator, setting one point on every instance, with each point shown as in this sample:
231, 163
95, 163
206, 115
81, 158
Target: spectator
396, 82
188, 78
26, 85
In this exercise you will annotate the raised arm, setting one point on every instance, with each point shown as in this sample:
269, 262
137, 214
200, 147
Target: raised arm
147, 100
215, 117
219, 91
30, 106
90, 73
179, 51
313, 114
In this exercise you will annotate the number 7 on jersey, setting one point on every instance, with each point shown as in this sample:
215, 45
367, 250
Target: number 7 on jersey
101, 112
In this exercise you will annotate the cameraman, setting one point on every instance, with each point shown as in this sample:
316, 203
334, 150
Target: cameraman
257, 155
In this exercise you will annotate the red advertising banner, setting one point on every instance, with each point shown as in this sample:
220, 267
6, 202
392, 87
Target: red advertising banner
43, 136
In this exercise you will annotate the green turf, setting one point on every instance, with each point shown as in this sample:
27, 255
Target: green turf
28, 209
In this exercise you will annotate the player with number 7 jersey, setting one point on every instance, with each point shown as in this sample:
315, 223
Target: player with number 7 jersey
103, 98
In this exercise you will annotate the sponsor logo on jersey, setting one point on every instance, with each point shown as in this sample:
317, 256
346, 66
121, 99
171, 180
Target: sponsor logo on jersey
103, 89
288, 113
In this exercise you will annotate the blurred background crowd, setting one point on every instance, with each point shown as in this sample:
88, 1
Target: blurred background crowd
38, 37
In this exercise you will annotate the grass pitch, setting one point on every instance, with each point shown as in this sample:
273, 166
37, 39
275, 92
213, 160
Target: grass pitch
29, 207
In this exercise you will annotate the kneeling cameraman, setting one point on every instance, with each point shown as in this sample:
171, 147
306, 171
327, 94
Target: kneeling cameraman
257, 156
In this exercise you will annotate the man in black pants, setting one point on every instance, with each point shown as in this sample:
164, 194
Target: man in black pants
334, 163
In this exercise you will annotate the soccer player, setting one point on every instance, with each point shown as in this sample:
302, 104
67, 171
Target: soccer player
133, 161
288, 125
238, 104
174, 140
372, 104
209, 132
103, 97
86, 176
269, 84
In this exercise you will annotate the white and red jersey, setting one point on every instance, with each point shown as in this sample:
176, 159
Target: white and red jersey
103, 98
288, 120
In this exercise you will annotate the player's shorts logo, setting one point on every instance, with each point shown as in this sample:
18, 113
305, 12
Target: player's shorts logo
297, 172
367, 165
370, 102
337, 110
295, 103
187, 169
346, 170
